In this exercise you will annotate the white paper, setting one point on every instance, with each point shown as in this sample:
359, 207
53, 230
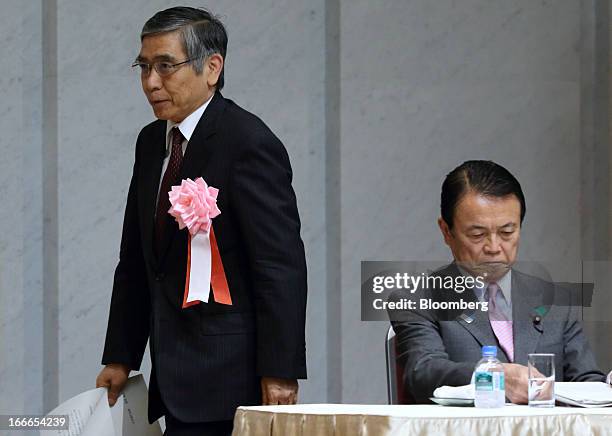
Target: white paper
90, 414
457, 392
135, 418
85, 411
584, 394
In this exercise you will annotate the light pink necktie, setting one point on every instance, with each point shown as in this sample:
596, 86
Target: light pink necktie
502, 327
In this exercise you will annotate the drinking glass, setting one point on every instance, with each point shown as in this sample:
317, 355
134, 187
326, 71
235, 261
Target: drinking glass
541, 374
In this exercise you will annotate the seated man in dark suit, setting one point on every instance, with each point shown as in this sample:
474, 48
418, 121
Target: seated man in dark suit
482, 208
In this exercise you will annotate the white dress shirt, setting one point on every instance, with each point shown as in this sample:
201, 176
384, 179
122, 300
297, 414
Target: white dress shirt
187, 126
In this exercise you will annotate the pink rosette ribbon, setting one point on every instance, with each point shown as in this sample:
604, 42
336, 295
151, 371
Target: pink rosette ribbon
194, 205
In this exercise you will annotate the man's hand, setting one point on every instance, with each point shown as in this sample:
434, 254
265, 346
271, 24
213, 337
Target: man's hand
113, 376
278, 391
516, 380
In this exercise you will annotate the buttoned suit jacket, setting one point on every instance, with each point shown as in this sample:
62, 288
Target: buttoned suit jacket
441, 347
207, 359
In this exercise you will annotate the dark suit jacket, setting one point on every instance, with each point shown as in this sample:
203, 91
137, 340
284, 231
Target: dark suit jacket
207, 359
441, 347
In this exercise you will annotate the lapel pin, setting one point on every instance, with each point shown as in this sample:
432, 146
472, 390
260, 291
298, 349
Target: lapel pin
466, 318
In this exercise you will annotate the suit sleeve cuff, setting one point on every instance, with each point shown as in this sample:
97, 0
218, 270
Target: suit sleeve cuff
282, 365
132, 362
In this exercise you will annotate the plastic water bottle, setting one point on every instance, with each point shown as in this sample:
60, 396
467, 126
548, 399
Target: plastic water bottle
489, 386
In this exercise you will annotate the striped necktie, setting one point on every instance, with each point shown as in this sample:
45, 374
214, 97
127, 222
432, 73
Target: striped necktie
501, 325
171, 176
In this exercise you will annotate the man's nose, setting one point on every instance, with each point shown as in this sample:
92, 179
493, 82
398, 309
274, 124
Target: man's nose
152, 81
492, 245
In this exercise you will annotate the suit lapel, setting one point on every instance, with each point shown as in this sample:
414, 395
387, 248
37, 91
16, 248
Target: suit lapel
476, 322
524, 301
150, 173
200, 147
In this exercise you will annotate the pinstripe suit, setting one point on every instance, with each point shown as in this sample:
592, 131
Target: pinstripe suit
208, 359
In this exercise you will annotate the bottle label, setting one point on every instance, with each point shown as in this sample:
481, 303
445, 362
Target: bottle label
483, 381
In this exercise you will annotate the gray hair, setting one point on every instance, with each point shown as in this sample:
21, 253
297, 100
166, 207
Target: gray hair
202, 33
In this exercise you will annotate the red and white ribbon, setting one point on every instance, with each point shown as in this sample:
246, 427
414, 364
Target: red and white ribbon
194, 205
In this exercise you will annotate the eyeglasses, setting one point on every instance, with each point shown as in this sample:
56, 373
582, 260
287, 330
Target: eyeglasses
162, 68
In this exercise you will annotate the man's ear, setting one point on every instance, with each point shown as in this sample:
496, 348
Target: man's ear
446, 231
214, 64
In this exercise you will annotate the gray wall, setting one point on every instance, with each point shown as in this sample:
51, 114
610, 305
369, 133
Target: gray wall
11, 248
375, 102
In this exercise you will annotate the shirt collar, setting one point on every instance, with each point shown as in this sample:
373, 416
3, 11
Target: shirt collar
188, 125
504, 283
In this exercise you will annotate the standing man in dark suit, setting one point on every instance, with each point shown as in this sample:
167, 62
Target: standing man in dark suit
211, 357
482, 208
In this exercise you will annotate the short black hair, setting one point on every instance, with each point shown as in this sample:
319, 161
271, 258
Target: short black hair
202, 33
483, 177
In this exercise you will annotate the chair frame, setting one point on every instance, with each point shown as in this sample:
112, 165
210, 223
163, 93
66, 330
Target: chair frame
391, 358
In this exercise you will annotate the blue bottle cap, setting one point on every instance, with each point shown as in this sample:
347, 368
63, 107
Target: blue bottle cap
489, 350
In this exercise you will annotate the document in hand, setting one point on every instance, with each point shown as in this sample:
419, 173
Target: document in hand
90, 415
584, 394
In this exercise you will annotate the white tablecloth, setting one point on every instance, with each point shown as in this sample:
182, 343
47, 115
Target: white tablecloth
370, 420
